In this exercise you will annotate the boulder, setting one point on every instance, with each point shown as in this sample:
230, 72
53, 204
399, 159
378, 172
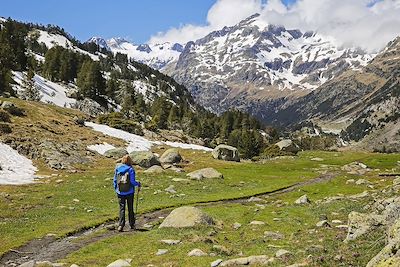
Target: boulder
116, 153
388, 256
170, 156
154, 169
207, 173
287, 145
144, 159
360, 224
225, 152
119, 263
302, 200
186, 217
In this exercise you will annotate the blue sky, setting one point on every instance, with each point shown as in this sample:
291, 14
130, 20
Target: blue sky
136, 20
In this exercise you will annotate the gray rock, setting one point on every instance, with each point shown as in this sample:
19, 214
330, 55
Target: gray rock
216, 263
237, 225
197, 253
360, 224
170, 189
225, 152
161, 252
251, 260
362, 182
119, 263
154, 169
116, 153
186, 217
257, 223
170, 156
284, 144
323, 223
302, 200
282, 253
273, 235
144, 159
170, 241
207, 173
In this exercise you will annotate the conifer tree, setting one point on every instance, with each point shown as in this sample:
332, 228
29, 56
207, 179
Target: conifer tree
30, 90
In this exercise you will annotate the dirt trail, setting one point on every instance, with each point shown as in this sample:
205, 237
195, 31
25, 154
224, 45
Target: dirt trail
49, 248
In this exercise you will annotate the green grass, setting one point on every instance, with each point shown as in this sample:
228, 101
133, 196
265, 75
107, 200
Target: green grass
32, 211
297, 223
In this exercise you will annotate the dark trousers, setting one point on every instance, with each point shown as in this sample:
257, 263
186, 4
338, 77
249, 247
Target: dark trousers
123, 200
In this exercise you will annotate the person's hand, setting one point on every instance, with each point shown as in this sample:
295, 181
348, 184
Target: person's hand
140, 185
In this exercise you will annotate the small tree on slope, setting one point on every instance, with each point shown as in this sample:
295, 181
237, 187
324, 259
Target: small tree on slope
30, 90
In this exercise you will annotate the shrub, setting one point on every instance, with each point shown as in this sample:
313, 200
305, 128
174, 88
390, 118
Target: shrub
5, 128
4, 116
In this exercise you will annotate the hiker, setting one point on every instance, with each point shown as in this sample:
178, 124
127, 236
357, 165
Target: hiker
124, 185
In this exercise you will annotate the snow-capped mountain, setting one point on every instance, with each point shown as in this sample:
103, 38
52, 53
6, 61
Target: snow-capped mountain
255, 61
153, 55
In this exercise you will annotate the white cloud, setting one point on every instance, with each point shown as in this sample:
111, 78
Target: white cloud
369, 24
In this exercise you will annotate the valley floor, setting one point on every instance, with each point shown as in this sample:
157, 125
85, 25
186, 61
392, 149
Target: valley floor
69, 217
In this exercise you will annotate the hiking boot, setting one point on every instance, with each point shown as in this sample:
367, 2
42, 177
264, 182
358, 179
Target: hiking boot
120, 228
133, 227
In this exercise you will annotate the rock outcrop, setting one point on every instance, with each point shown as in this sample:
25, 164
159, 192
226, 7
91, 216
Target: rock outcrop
225, 152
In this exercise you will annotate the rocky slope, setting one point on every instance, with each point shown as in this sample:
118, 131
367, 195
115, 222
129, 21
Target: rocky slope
253, 62
363, 103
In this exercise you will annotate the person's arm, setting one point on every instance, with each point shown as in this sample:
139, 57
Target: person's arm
132, 175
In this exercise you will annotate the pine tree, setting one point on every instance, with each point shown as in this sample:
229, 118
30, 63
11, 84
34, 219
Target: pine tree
30, 90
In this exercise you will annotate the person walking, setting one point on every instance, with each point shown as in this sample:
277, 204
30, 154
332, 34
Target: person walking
124, 185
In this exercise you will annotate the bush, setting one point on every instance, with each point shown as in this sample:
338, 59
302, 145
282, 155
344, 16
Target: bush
4, 116
274, 151
5, 128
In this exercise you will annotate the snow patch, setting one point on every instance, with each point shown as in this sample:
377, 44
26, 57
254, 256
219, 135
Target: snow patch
51, 92
100, 148
15, 168
135, 142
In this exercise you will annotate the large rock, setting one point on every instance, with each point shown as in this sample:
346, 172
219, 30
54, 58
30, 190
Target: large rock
389, 255
225, 152
360, 224
170, 156
287, 145
207, 173
144, 159
116, 153
302, 200
186, 217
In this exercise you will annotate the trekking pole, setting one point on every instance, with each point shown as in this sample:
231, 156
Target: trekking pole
137, 200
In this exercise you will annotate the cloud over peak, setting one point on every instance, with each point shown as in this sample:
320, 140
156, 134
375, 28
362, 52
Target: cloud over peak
368, 24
